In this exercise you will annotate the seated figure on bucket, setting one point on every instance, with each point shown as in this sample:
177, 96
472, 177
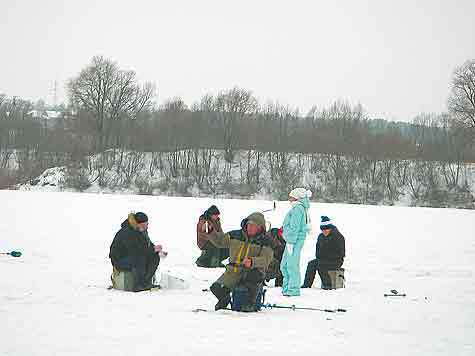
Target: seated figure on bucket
250, 255
329, 255
132, 253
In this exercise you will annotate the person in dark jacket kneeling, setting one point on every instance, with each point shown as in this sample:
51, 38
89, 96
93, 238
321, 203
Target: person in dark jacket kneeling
132, 250
211, 256
330, 253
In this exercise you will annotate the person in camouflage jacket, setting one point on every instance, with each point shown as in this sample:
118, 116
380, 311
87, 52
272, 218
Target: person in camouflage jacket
250, 253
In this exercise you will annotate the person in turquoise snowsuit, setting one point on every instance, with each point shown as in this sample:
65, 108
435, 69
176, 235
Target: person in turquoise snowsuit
295, 228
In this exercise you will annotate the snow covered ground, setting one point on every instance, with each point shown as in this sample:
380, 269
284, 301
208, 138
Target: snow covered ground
54, 301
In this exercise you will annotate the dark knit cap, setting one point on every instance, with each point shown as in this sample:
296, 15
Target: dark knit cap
141, 217
212, 210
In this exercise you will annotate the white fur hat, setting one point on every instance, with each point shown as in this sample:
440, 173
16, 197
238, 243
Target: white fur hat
299, 193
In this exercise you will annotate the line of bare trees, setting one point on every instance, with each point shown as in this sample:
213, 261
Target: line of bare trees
114, 135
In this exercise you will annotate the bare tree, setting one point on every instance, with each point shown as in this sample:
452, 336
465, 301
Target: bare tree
462, 98
108, 93
233, 105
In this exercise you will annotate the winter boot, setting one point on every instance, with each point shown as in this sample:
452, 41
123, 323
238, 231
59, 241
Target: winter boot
203, 260
248, 308
222, 294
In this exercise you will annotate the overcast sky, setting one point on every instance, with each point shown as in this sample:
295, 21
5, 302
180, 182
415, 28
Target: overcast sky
394, 57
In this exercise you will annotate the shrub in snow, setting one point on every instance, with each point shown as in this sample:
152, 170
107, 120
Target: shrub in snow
182, 186
144, 186
7, 179
284, 182
76, 178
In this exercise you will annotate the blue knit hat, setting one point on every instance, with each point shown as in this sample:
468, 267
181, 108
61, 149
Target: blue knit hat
326, 223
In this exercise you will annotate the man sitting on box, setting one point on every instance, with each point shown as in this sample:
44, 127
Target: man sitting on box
329, 254
133, 251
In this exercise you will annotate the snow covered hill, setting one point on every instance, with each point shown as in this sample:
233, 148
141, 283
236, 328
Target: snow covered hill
356, 181
54, 301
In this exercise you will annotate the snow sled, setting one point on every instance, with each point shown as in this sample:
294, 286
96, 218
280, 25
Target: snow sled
240, 299
167, 280
124, 280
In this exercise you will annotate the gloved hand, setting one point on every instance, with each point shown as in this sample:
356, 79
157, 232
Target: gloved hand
290, 248
247, 262
309, 228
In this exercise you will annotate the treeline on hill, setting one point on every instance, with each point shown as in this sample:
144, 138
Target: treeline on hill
229, 143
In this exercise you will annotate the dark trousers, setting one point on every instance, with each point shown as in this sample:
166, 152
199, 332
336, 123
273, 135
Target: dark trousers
273, 271
252, 280
310, 273
143, 268
314, 266
325, 278
211, 256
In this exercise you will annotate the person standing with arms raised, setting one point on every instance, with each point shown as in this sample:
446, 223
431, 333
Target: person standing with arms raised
295, 229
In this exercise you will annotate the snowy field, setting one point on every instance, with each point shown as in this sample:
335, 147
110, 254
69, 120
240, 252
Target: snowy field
54, 301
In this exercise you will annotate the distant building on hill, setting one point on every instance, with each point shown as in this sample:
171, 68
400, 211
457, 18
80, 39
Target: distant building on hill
49, 118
